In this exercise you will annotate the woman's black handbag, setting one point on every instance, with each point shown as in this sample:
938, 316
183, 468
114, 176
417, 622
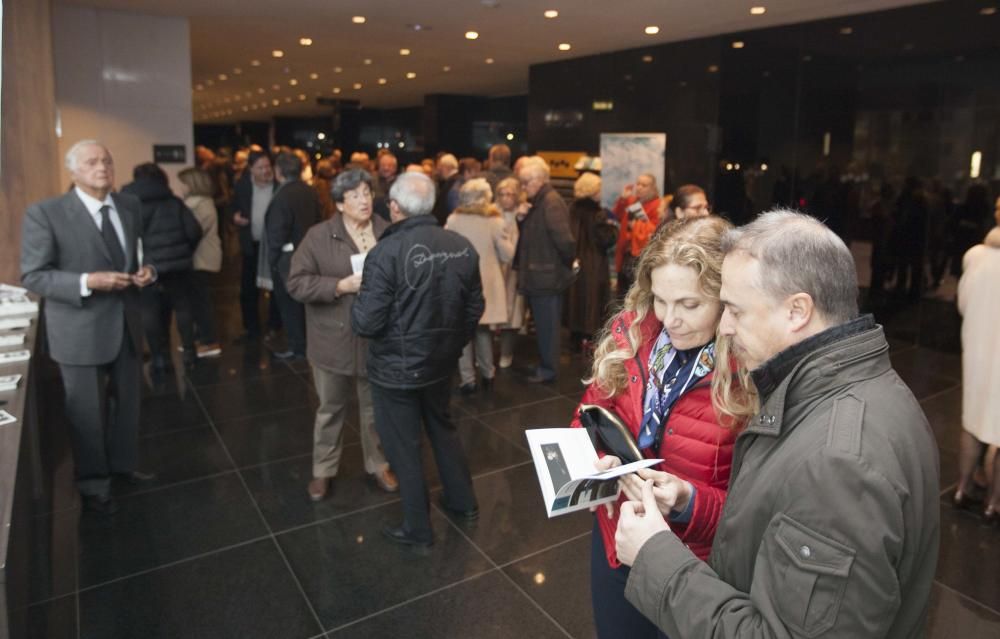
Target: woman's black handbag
609, 434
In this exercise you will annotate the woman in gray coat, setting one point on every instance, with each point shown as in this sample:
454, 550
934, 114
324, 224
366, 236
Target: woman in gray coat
325, 275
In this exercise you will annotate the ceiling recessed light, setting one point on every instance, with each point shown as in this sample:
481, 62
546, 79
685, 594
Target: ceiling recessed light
846, 31
237, 71
293, 82
410, 75
357, 85
306, 42
647, 58
987, 11
288, 99
199, 87
382, 80
260, 90
275, 86
209, 83
551, 13
245, 108
255, 63
314, 76
337, 69
336, 89
358, 19
471, 35
713, 68
489, 60
277, 53
738, 44
446, 68
652, 29
276, 102
302, 97
404, 52
368, 60
565, 46
758, 11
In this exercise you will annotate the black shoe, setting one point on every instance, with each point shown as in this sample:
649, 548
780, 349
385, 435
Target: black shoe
464, 515
100, 504
467, 389
538, 379
136, 477
400, 536
486, 384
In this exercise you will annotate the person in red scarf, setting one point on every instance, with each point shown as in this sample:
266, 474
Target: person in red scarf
638, 214
658, 366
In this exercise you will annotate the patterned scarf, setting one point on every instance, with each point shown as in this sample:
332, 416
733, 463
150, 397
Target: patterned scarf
671, 372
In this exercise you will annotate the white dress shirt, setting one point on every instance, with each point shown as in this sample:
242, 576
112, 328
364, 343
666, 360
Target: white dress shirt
93, 206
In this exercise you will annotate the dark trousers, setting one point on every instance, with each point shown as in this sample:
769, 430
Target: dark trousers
293, 314
398, 417
249, 294
170, 292
547, 313
201, 307
102, 405
614, 616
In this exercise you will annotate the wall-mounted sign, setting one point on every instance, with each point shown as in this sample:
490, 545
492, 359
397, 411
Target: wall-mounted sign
169, 153
562, 163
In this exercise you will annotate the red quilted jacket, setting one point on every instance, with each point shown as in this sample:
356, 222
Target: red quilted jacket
695, 447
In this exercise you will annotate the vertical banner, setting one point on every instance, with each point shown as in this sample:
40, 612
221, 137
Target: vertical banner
626, 156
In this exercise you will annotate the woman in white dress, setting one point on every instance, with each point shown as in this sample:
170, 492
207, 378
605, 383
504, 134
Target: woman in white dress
979, 305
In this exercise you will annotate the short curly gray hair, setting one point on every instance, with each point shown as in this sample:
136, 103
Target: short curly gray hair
348, 181
475, 192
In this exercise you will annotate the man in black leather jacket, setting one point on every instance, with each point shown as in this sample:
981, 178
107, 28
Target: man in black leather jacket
420, 302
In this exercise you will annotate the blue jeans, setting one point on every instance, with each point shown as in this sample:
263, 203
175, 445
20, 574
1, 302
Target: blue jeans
614, 616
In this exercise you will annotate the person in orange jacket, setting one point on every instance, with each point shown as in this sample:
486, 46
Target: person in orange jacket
638, 213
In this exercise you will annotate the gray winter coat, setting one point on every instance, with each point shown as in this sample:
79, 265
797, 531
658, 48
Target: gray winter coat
831, 524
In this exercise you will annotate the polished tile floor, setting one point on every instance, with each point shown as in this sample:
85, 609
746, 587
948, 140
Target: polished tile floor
227, 544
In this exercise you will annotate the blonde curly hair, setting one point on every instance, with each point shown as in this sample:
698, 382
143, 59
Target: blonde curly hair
697, 244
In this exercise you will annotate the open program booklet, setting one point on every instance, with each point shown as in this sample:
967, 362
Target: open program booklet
564, 462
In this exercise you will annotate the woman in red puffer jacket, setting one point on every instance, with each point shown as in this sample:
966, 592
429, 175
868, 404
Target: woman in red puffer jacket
656, 369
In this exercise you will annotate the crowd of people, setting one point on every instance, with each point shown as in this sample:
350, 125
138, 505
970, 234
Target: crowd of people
798, 488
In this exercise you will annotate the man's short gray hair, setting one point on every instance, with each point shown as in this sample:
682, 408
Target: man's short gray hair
799, 254
534, 167
71, 154
413, 193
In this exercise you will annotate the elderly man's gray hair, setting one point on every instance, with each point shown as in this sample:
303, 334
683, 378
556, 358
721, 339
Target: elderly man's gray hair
799, 254
534, 167
413, 193
72, 152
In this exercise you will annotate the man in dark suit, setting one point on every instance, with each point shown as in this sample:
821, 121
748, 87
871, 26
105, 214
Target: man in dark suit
79, 252
294, 208
251, 197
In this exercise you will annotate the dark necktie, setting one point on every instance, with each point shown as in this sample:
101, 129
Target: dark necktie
111, 240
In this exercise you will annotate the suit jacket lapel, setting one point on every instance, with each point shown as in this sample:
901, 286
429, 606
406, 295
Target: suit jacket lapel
78, 215
129, 231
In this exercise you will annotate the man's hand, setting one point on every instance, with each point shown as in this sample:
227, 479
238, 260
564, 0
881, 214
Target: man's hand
627, 190
239, 220
637, 523
144, 276
671, 493
350, 284
108, 281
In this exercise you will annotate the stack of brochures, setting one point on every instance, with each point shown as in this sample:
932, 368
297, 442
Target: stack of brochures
9, 382
14, 300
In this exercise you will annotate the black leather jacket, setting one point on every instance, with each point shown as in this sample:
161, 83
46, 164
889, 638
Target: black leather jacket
420, 302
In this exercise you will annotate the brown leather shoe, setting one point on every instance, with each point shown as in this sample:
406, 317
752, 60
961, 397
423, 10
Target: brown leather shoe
386, 480
318, 487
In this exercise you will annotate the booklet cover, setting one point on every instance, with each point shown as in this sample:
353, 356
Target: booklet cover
9, 382
564, 462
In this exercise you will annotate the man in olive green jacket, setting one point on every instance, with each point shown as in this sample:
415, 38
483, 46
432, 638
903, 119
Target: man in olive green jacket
831, 524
